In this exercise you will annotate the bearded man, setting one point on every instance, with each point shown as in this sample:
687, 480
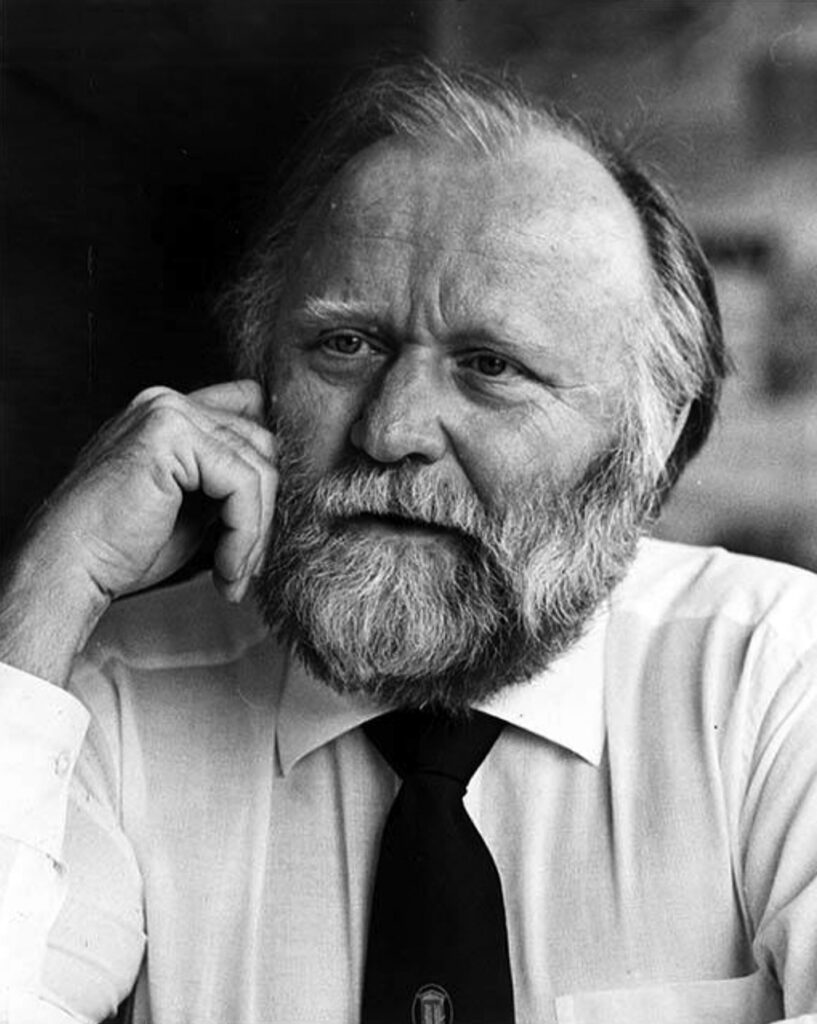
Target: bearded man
479, 347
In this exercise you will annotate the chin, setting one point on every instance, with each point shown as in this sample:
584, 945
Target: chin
444, 655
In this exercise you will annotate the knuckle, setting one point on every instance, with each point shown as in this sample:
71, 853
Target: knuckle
251, 389
165, 411
229, 436
250, 441
148, 395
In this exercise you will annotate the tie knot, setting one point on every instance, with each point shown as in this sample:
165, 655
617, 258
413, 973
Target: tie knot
422, 742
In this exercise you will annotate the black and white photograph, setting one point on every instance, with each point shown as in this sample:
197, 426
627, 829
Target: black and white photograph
408, 512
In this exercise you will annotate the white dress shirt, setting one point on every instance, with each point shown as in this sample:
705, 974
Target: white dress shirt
651, 806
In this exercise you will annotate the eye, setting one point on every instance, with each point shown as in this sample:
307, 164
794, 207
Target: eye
346, 343
488, 365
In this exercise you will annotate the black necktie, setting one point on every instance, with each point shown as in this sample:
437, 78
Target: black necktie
438, 943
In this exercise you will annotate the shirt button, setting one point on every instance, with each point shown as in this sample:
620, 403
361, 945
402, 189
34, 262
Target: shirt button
62, 763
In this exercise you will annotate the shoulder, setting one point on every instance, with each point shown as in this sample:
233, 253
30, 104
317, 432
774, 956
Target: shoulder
178, 626
720, 649
718, 629
674, 582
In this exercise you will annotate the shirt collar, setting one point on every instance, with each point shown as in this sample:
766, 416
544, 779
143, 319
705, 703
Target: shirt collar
563, 704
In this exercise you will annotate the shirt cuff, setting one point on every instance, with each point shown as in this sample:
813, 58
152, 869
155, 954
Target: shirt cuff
24, 1008
41, 731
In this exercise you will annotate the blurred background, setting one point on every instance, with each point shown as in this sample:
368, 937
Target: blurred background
138, 136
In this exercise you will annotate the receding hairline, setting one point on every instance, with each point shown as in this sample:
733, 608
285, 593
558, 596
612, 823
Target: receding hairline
545, 165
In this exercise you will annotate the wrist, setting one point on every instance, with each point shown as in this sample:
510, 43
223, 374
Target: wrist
49, 606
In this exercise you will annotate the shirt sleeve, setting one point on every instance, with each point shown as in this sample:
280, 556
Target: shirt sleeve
41, 733
778, 829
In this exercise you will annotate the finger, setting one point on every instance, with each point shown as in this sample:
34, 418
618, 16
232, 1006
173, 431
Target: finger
224, 453
232, 428
211, 452
243, 397
208, 418
232, 462
205, 407
234, 590
246, 487
258, 447
245, 540
269, 490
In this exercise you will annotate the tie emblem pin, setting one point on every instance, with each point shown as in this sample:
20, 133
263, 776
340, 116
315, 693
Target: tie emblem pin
432, 1005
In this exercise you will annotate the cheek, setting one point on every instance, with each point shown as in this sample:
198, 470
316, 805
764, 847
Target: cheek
494, 453
527, 450
318, 417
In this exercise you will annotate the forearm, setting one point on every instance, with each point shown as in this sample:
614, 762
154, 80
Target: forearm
48, 609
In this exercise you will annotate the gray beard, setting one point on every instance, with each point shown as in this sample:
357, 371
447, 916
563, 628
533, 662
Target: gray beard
441, 624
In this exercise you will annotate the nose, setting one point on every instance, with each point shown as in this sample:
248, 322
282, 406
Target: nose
402, 415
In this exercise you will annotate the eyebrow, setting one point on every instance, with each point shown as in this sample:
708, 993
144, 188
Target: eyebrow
317, 311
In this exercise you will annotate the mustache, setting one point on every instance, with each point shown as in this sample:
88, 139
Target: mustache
402, 493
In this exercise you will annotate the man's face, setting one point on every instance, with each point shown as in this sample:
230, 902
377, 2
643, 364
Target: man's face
455, 328
468, 314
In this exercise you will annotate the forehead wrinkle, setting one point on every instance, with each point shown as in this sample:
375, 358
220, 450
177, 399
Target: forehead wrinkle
398, 193
609, 242
440, 292
529, 259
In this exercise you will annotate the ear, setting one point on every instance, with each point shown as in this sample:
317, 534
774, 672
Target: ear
673, 434
677, 430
